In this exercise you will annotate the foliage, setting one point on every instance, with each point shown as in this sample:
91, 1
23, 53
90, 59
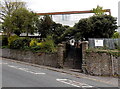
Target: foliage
46, 46
20, 43
116, 35
98, 11
11, 39
112, 52
3, 40
44, 26
24, 21
117, 46
33, 42
58, 31
49, 45
102, 26
7, 7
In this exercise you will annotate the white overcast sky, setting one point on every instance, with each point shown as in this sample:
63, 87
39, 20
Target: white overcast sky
71, 5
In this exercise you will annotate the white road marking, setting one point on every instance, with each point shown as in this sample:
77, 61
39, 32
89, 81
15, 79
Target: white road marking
16, 67
63, 73
26, 70
74, 83
2, 63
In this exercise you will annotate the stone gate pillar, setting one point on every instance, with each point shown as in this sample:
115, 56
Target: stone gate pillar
61, 52
84, 48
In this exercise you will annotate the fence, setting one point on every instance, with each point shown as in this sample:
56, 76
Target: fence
104, 42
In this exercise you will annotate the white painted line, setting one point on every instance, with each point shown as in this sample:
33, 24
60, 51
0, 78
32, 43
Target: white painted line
63, 73
39, 73
26, 70
23, 69
16, 67
3, 63
74, 83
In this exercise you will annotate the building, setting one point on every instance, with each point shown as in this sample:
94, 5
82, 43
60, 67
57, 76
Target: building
71, 17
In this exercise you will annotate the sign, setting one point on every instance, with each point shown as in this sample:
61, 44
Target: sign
98, 42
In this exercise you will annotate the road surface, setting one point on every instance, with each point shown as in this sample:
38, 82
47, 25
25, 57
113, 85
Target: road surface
21, 75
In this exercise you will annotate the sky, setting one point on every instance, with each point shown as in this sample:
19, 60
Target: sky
71, 5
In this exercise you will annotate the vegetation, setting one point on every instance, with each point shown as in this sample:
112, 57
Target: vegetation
96, 27
3, 41
7, 7
116, 35
112, 52
17, 19
20, 43
98, 11
11, 39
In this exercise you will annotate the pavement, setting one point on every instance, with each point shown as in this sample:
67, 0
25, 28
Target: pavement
22, 74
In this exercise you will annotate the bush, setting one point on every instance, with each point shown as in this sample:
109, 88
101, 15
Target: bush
20, 43
116, 35
11, 39
33, 43
49, 45
3, 40
46, 46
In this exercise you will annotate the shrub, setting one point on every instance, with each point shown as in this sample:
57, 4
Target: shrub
35, 48
49, 45
46, 46
3, 40
33, 42
20, 43
116, 35
11, 39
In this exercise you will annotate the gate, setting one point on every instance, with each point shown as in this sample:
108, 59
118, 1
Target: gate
73, 58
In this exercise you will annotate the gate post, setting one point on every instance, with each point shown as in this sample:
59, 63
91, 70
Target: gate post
84, 48
61, 52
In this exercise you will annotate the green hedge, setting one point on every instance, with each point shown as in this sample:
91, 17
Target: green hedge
20, 43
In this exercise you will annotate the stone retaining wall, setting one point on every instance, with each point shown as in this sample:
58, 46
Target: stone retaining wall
47, 59
102, 64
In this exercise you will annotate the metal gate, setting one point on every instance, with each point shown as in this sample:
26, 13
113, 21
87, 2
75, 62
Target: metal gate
73, 57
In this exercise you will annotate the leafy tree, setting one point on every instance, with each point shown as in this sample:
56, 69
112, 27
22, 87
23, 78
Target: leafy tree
57, 31
102, 26
24, 21
45, 26
7, 7
21, 20
98, 11
116, 35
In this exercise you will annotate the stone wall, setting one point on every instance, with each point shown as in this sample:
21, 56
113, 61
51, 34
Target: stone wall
101, 64
47, 59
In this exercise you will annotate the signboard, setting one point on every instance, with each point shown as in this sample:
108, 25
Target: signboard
98, 42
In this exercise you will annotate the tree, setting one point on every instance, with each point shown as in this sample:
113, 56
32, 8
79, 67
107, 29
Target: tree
116, 35
7, 7
102, 26
45, 26
24, 21
98, 11
57, 31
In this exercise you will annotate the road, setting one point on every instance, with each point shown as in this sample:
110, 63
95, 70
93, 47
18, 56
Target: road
21, 75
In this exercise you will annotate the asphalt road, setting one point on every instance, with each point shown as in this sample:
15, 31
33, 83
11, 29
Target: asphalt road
21, 75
